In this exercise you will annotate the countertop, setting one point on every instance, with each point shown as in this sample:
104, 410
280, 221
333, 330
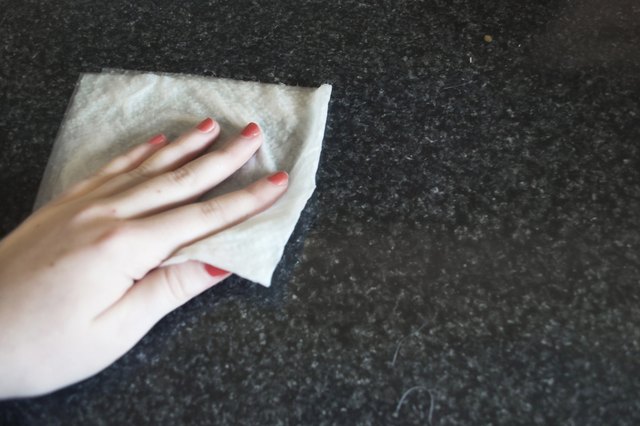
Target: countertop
474, 241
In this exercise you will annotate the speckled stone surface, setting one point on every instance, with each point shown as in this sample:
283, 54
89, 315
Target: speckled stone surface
475, 234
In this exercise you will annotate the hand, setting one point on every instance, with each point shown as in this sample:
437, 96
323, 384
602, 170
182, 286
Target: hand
80, 281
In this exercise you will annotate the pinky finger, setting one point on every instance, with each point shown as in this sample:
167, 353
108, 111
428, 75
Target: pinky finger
121, 164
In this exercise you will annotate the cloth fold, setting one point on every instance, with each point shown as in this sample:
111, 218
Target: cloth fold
113, 111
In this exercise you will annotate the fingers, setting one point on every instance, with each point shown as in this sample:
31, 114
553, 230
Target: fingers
188, 146
189, 181
192, 222
118, 165
134, 157
154, 296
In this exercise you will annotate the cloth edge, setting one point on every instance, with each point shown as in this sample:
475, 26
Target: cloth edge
48, 170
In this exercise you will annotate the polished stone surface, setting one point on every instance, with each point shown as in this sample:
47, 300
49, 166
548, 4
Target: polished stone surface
474, 238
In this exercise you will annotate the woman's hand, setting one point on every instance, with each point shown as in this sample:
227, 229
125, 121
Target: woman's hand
79, 279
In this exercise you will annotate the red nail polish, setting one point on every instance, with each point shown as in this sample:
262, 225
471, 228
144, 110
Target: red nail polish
214, 272
279, 178
207, 125
157, 139
251, 131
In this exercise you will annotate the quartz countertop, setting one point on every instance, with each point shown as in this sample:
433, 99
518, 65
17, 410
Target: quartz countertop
471, 254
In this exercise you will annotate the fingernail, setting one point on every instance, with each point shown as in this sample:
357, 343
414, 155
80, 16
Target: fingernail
251, 131
279, 178
157, 139
207, 125
213, 271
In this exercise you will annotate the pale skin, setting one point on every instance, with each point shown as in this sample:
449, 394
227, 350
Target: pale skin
80, 279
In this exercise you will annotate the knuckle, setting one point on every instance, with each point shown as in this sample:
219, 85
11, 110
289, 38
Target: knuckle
72, 192
103, 172
176, 286
184, 176
256, 196
213, 210
89, 213
256, 200
143, 172
115, 239
118, 163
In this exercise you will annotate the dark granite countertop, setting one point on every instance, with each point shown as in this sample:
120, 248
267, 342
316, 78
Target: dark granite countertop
474, 238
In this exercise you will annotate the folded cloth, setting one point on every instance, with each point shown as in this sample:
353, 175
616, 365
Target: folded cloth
113, 111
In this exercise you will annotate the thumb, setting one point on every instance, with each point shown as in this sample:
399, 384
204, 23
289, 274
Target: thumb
157, 294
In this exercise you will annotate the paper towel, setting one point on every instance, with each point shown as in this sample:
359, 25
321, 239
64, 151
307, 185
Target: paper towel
113, 111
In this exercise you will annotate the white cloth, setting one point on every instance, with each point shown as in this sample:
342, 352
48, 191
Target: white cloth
113, 111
